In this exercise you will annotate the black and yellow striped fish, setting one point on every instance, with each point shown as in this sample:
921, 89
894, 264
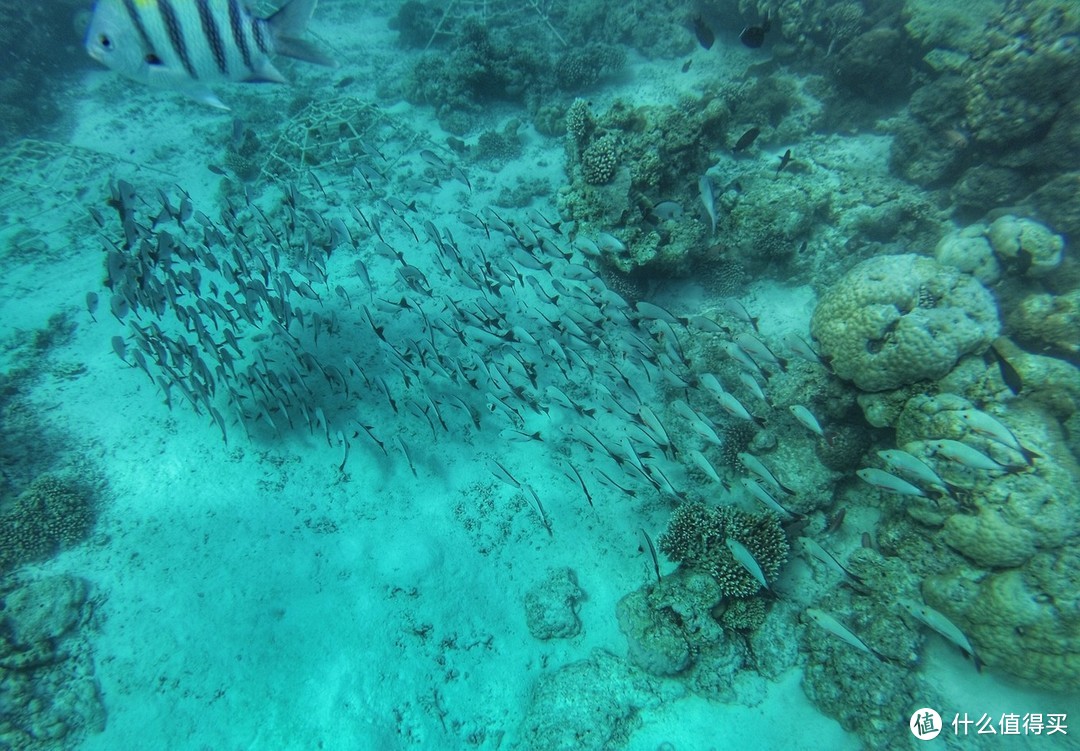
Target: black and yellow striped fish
188, 45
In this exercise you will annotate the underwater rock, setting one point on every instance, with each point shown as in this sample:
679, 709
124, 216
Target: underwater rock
551, 606
985, 185
1048, 321
1023, 621
1029, 70
895, 320
591, 705
661, 623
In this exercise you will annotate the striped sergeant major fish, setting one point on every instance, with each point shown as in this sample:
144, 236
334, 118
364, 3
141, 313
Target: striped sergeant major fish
188, 45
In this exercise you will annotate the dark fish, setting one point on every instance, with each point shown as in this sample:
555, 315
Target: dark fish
754, 36
91, 304
1009, 374
704, 34
687, 64
745, 140
784, 161
835, 521
346, 81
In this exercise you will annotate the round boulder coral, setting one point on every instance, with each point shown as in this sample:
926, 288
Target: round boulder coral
1026, 244
1024, 621
895, 320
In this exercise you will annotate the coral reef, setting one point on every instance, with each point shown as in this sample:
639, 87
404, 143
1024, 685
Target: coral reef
1029, 69
481, 65
894, 320
695, 538
51, 698
551, 606
1025, 621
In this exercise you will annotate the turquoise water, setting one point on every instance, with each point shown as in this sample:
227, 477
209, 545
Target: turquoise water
542, 377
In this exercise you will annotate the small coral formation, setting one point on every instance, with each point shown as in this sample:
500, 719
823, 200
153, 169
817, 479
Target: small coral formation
592, 705
695, 538
551, 606
895, 320
600, 160
581, 67
52, 514
1025, 243
498, 147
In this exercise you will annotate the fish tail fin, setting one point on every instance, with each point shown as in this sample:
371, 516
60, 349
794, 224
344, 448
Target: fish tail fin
287, 24
1029, 455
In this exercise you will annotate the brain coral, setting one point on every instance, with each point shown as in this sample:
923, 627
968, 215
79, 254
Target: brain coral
895, 320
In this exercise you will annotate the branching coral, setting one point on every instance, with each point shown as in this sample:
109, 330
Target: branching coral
696, 536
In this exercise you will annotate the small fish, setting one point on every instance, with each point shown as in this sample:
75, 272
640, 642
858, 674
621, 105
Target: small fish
703, 463
785, 160
911, 466
705, 187
754, 465
746, 559
754, 387
703, 32
687, 64
754, 488
1009, 375
839, 630
737, 309
92, 304
938, 622
879, 478
652, 552
813, 549
668, 211
961, 453
807, 420
985, 425
754, 36
187, 45
735, 408
745, 140
759, 351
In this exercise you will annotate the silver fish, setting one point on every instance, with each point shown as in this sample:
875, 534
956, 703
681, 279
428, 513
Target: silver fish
746, 559
838, 629
707, 198
188, 45
879, 478
985, 425
961, 453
